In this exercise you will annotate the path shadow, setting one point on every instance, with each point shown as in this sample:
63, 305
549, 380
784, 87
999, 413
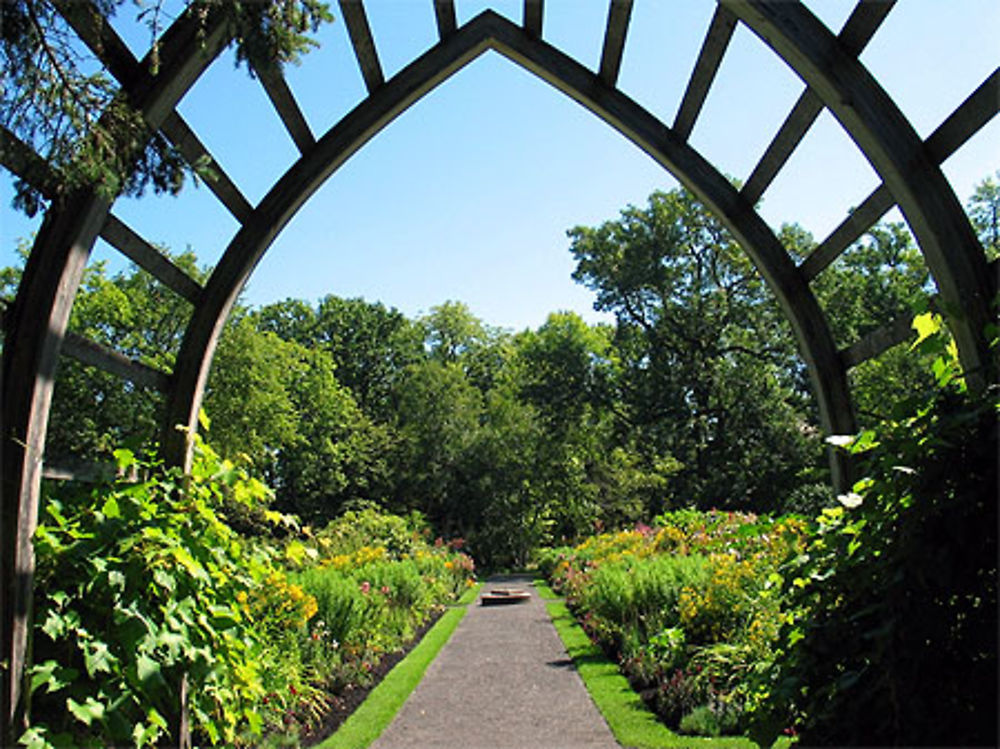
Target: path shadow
562, 663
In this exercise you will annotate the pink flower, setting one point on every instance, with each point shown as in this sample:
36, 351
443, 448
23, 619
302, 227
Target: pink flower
365, 587
385, 590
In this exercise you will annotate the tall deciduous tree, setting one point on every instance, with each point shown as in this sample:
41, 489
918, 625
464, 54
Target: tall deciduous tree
704, 352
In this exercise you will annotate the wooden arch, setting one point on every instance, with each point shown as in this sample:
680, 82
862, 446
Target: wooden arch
36, 325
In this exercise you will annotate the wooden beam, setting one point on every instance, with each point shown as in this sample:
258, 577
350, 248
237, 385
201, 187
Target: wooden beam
66, 468
147, 257
856, 33
858, 221
878, 341
23, 162
107, 359
288, 109
720, 31
194, 151
363, 43
619, 13
35, 332
978, 109
533, 13
444, 14
967, 119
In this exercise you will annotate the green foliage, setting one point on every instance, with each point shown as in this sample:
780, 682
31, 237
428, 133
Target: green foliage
891, 631
279, 404
705, 367
143, 587
137, 590
80, 122
689, 608
370, 345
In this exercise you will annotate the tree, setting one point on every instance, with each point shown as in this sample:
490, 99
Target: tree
439, 415
564, 367
82, 124
984, 212
452, 331
706, 374
371, 344
279, 404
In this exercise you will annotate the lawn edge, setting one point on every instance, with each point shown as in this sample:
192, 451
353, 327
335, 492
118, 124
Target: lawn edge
631, 722
377, 711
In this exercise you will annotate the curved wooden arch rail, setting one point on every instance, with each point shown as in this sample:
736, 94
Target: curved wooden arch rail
36, 324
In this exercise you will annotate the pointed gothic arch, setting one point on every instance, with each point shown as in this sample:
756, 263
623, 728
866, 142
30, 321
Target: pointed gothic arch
35, 326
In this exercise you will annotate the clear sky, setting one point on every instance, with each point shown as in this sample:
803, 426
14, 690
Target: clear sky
468, 195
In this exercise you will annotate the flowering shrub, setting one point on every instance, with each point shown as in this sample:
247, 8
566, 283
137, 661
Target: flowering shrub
689, 606
142, 588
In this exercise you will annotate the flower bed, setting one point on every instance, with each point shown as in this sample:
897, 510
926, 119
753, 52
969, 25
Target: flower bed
145, 592
689, 608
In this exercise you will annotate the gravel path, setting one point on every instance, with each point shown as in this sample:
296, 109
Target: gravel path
503, 681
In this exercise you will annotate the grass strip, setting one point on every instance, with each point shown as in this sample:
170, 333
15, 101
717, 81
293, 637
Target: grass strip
544, 591
631, 722
377, 711
468, 596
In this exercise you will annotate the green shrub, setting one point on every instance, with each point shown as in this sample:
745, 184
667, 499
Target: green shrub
891, 638
701, 721
139, 587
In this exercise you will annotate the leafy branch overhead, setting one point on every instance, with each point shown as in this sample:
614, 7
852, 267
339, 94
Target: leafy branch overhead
63, 103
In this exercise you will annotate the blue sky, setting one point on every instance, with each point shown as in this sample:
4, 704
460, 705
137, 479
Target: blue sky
468, 195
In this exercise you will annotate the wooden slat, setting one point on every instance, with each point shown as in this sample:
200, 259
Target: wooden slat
444, 14
100, 37
793, 129
619, 13
288, 109
363, 43
714, 47
856, 33
533, 13
143, 254
878, 341
97, 355
68, 469
898, 331
861, 219
862, 24
184, 139
21, 160
971, 115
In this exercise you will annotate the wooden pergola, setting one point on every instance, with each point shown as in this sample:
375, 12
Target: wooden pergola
826, 60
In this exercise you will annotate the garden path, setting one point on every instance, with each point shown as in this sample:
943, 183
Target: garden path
503, 681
